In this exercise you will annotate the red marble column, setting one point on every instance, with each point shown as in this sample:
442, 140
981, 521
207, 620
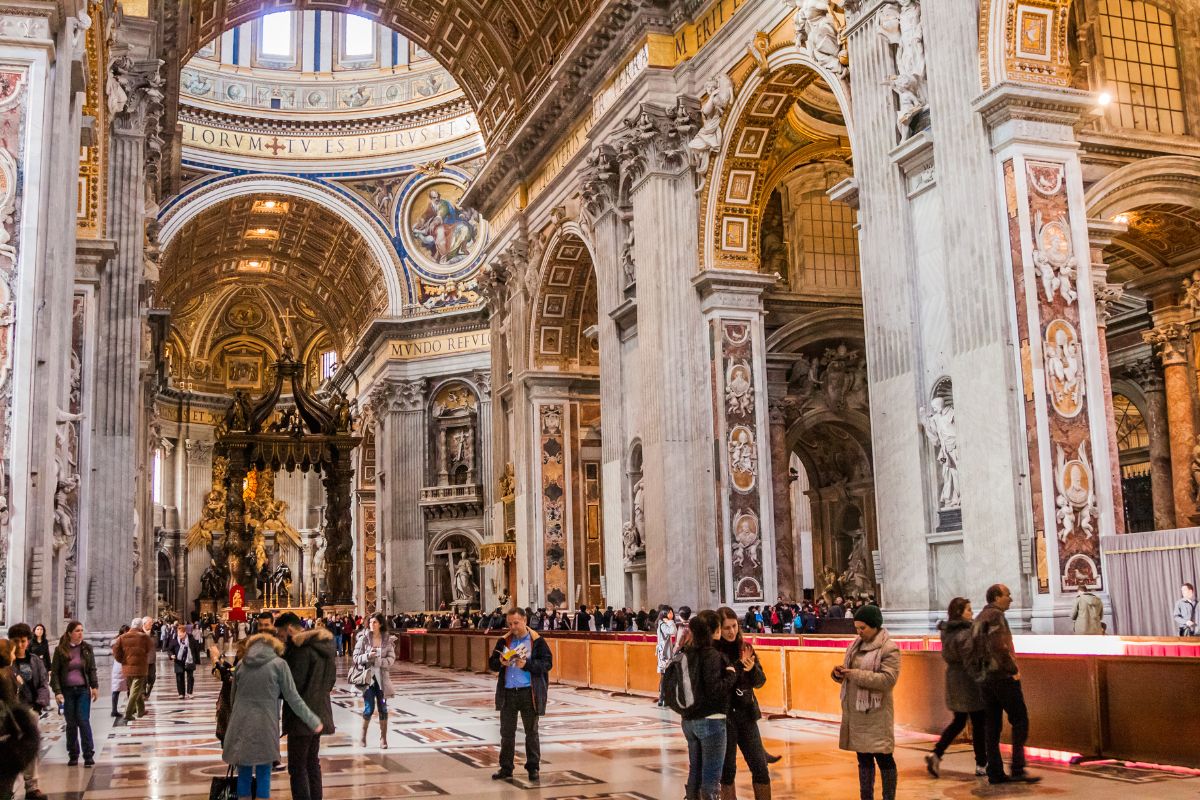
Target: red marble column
1170, 341
786, 567
1107, 294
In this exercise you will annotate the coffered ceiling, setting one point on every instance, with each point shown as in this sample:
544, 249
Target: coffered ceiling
1162, 243
500, 51
291, 250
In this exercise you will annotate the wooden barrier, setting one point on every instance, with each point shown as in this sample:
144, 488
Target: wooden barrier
1136, 708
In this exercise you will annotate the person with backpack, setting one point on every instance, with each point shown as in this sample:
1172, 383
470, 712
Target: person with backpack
664, 647
994, 666
522, 662
310, 657
963, 696
868, 675
20, 736
698, 685
375, 653
742, 724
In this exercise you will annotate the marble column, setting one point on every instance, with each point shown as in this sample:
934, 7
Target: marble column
609, 228
113, 590
487, 475
1171, 343
787, 566
400, 475
1146, 374
1100, 235
674, 374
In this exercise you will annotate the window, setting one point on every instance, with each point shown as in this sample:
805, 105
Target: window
277, 34
827, 243
358, 37
328, 364
1141, 66
1132, 433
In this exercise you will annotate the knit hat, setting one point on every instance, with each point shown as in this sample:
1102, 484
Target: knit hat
869, 615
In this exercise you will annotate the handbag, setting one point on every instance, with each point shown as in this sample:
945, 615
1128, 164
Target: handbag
225, 788
359, 676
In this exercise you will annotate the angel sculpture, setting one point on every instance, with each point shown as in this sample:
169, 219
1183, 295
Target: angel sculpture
718, 94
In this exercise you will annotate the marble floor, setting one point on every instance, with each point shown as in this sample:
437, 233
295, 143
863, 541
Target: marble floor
444, 743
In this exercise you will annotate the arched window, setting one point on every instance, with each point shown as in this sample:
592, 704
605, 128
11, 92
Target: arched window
1141, 66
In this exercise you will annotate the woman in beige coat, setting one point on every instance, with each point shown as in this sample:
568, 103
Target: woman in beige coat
867, 676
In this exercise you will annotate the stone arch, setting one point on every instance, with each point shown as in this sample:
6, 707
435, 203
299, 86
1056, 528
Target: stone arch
736, 188
565, 305
1166, 179
190, 203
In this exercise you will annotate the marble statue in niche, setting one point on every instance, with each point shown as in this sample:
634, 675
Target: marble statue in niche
819, 25
1053, 261
718, 94
900, 26
1075, 496
746, 541
631, 546
639, 513
856, 580
743, 458
212, 582
628, 265
739, 389
940, 430
1064, 368
66, 461
465, 589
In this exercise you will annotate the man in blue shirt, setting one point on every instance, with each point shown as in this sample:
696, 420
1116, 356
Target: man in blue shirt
523, 662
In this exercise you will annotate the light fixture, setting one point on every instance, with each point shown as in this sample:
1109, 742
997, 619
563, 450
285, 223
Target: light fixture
261, 231
253, 264
1104, 99
268, 204
1121, 219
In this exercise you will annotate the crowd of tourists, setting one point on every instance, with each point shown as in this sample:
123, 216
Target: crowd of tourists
280, 670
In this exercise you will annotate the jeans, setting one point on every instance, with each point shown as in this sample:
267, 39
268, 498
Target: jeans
304, 766
136, 705
742, 732
261, 773
371, 696
706, 756
1003, 696
77, 708
978, 734
519, 701
185, 679
337, 640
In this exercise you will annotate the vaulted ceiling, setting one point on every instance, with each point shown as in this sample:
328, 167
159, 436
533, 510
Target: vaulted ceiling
1163, 242
500, 51
304, 258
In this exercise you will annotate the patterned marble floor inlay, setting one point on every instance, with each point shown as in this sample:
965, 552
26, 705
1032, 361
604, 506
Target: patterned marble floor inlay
443, 736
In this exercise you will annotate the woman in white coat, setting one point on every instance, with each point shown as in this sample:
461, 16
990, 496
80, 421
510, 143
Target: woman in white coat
373, 651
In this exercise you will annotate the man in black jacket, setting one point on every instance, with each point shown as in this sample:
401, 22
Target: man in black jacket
523, 660
310, 657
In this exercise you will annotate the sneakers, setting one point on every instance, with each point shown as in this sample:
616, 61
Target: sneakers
88, 761
980, 772
534, 776
933, 765
73, 761
502, 775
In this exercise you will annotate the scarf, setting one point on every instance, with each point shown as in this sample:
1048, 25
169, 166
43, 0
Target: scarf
870, 660
183, 653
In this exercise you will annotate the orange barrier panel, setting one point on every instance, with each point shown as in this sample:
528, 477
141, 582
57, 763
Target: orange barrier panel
608, 665
460, 652
643, 669
1137, 708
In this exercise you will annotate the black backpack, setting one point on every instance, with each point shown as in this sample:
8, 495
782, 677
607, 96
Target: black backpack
681, 682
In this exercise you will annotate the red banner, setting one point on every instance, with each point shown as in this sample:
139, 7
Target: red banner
237, 603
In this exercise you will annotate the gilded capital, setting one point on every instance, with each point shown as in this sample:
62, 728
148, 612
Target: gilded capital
1169, 342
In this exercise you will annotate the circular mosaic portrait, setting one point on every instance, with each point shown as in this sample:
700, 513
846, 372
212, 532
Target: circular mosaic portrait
439, 233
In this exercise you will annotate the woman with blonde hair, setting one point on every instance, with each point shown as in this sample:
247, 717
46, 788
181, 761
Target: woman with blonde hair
867, 675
